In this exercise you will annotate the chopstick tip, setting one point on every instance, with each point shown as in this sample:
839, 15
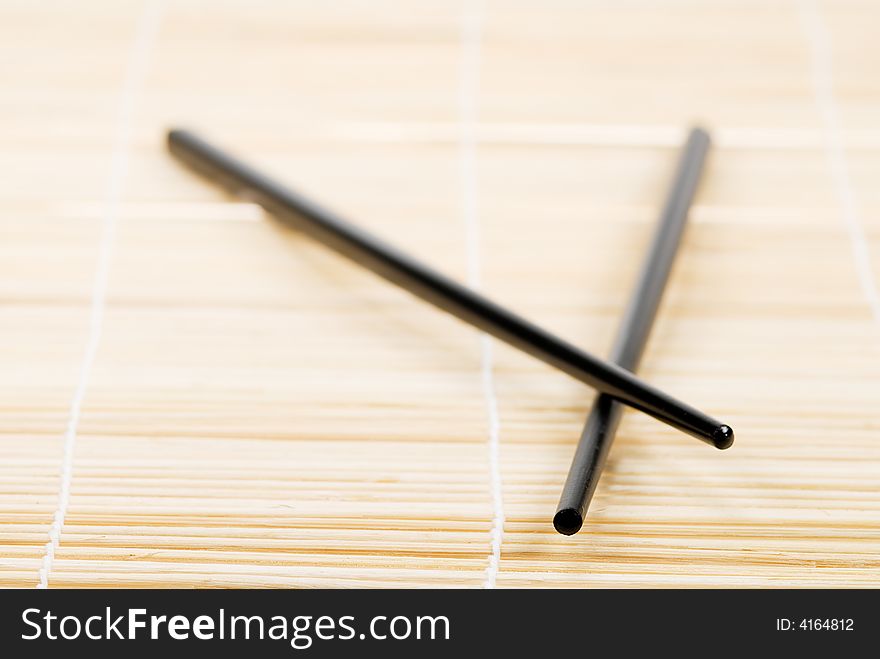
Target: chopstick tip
700, 131
723, 437
568, 521
176, 134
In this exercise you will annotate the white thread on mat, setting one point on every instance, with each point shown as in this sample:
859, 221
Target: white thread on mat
135, 72
468, 92
823, 90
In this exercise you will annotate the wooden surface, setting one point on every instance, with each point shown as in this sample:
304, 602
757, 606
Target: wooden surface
192, 396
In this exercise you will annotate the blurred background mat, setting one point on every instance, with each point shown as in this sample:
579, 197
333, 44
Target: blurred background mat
193, 396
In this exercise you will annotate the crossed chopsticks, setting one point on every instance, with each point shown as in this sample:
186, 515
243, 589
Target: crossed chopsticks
613, 379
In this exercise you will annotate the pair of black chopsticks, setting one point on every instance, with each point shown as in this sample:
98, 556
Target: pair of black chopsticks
617, 386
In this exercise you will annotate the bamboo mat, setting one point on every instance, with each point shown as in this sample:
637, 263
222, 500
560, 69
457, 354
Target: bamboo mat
192, 396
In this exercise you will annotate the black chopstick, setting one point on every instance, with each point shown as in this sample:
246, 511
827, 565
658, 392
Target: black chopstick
604, 417
400, 269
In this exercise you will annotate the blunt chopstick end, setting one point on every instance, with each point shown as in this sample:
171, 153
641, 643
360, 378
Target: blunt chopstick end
723, 437
173, 135
700, 131
568, 521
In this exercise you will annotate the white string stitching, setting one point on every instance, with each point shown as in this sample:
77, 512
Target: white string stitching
823, 90
469, 85
136, 69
